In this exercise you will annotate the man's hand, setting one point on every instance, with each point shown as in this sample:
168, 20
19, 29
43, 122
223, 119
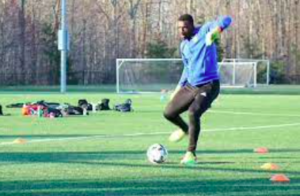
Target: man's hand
212, 36
175, 92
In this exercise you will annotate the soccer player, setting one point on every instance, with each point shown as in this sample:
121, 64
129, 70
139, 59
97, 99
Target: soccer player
199, 85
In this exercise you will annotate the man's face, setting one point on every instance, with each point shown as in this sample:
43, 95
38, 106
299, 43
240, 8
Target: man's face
185, 29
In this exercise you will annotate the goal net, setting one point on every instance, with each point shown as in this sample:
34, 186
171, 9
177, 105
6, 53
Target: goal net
155, 75
244, 72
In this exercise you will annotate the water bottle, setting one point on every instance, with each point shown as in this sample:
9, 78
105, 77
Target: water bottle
40, 111
51, 115
25, 110
94, 105
84, 111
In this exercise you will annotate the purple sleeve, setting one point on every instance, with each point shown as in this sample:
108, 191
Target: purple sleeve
224, 22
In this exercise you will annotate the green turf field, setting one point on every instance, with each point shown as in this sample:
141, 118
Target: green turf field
105, 153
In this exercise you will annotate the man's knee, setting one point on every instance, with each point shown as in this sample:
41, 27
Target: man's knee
169, 115
195, 114
169, 112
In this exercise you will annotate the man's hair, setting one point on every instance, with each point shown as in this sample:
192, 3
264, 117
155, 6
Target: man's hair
186, 17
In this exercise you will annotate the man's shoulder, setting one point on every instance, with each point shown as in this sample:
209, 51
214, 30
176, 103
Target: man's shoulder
182, 44
206, 26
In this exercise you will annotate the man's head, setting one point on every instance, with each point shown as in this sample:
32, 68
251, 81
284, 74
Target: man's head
186, 26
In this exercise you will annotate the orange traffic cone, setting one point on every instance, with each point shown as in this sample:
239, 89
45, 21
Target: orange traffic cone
269, 166
261, 150
279, 178
20, 141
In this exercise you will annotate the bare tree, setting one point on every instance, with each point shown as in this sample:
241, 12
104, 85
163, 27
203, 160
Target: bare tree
103, 30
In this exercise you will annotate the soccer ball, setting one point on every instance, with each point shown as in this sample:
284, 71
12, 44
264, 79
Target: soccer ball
157, 153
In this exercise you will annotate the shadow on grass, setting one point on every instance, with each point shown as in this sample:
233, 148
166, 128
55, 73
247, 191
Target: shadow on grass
164, 186
119, 158
237, 151
49, 136
127, 154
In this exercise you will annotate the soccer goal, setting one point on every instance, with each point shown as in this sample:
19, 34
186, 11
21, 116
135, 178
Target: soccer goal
244, 72
155, 75
147, 75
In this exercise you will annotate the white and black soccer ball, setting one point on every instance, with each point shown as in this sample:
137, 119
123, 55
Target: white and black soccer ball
157, 153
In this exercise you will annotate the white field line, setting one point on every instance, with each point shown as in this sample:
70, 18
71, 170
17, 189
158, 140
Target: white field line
262, 127
251, 113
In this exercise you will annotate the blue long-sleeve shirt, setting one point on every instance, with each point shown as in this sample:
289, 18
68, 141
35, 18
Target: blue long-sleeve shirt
200, 60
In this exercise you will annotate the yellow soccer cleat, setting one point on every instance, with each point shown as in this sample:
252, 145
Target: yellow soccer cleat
189, 159
177, 135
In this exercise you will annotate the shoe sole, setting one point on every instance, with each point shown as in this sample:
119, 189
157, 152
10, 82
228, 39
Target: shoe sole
177, 140
190, 163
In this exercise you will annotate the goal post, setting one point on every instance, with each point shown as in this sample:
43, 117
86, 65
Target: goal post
155, 75
147, 75
263, 68
238, 74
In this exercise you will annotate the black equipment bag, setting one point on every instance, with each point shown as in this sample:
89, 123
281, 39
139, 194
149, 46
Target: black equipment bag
84, 104
104, 105
124, 107
1, 112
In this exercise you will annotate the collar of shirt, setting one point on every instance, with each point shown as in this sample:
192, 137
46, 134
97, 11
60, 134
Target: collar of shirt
196, 30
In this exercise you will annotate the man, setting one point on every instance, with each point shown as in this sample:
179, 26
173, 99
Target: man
199, 85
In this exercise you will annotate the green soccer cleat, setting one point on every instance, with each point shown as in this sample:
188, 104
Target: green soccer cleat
189, 159
177, 135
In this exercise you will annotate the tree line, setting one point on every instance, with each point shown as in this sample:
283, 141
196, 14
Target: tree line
103, 30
